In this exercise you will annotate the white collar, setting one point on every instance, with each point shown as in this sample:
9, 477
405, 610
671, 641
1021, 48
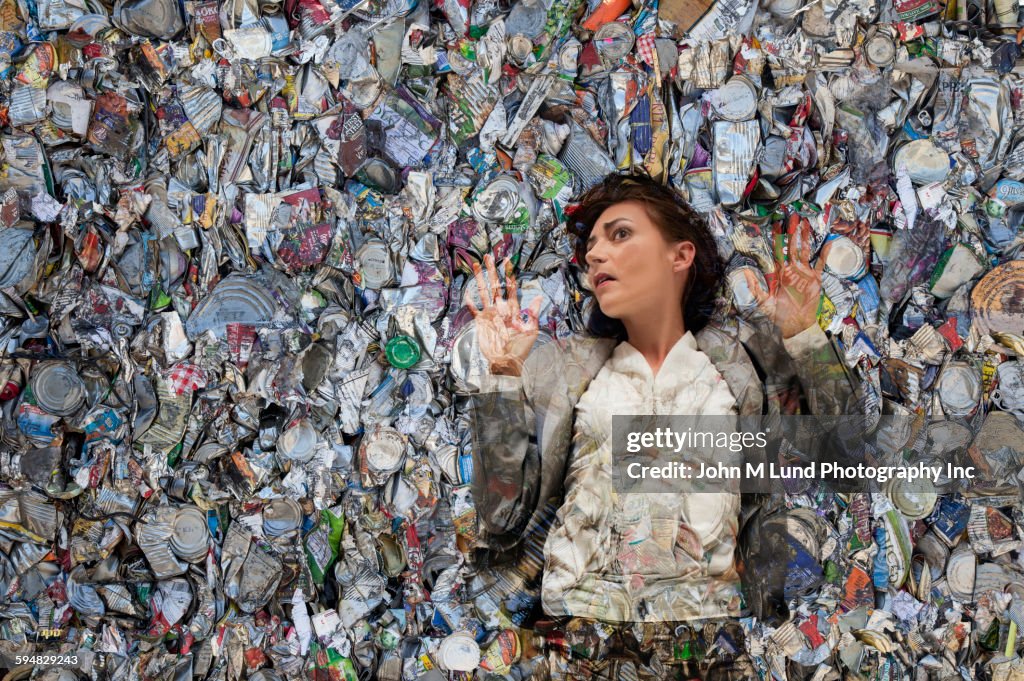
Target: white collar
627, 360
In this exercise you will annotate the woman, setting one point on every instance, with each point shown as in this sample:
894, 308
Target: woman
655, 347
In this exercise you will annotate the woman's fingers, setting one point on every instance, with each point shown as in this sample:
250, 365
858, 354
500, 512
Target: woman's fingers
481, 286
760, 295
792, 223
805, 242
531, 312
512, 288
492, 275
819, 266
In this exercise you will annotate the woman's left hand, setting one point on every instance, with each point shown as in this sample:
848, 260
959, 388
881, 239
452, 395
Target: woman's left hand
791, 302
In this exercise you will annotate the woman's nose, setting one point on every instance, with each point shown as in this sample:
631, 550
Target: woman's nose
595, 255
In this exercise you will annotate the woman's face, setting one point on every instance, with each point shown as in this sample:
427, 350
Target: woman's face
631, 267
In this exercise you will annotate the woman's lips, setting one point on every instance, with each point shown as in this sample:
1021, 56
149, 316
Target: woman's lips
604, 282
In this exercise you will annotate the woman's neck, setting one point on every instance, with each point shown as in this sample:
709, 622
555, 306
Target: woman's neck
654, 339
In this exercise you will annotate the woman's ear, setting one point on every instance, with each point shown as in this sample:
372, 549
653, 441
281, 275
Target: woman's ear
683, 254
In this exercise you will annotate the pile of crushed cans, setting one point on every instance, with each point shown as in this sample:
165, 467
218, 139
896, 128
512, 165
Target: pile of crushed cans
236, 239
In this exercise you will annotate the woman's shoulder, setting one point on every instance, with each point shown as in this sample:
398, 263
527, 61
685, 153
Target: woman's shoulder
558, 370
723, 342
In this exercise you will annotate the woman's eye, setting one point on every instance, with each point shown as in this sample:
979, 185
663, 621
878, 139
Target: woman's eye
622, 230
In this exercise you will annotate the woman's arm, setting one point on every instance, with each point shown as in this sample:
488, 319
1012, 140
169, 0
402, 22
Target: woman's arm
521, 428
830, 387
505, 460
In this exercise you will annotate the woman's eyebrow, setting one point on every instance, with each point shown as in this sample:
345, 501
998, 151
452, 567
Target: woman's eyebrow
606, 226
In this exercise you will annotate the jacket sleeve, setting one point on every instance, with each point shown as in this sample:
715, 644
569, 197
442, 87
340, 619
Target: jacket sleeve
522, 435
830, 387
831, 390
505, 460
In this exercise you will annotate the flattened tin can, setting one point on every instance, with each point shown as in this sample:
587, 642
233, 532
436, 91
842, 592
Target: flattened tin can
880, 50
281, 516
959, 389
375, 267
235, 299
299, 442
736, 100
960, 572
926, 162
736, 144
190, 534
458, 652
381, 453
497, 201
58, 389
614, 40
846, 259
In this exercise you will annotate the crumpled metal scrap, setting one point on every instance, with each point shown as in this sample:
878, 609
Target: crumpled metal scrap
235, 242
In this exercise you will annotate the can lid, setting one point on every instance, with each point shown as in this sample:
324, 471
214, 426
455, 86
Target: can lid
959, 389
402, 351
298, 442
915, 499
281, 516
846, 259
519, 47
383, 449
785, 9
189, 533
926, 162
614, 40
58, 388
960, 573
736, 100
458, 652
375, 268
497, 201
880, 50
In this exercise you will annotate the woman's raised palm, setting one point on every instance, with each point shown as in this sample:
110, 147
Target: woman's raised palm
505, 333
791, 301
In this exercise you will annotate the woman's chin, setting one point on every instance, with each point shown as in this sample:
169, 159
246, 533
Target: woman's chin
609, 309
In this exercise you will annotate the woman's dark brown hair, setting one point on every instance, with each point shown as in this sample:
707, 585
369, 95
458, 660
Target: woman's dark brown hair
677, 220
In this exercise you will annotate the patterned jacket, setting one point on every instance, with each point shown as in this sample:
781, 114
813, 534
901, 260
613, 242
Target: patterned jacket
523, 430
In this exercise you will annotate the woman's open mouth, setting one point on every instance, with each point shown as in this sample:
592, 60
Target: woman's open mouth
602, 279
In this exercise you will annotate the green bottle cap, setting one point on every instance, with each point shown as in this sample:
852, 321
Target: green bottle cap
402, 352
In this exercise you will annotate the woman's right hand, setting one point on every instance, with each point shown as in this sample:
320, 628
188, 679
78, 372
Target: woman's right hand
505, 337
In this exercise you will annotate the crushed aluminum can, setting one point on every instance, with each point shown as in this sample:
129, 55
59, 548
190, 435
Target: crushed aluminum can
298, 443
375, 266
880, 50
736, 100
614, 40
497, 201
925, 161
234, 300
150, 18
960, 572
57, 388
846, 259
458, 652
381, 453
281, 516
959, 389
736, 143
190, 534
